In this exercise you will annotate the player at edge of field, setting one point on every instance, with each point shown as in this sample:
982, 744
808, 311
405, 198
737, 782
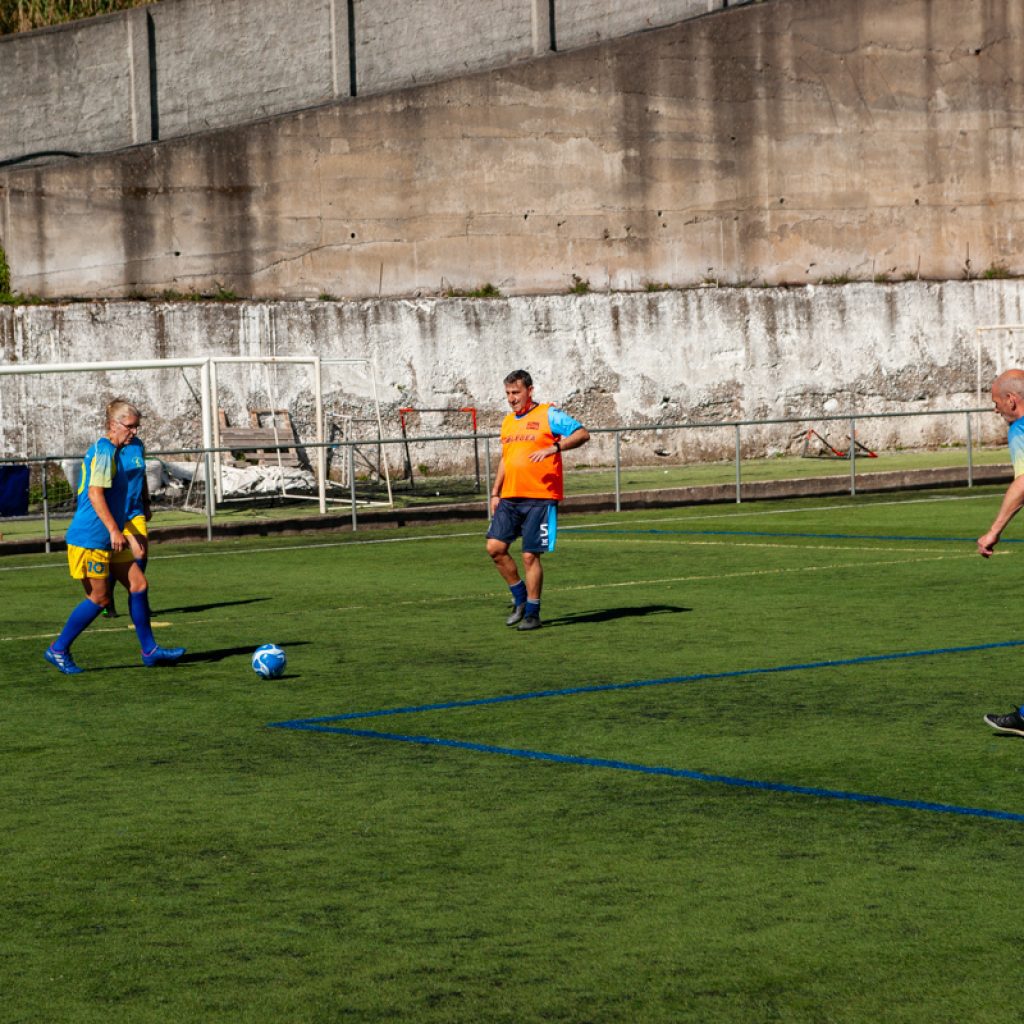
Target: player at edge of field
1008, 399
98, 548
526, 492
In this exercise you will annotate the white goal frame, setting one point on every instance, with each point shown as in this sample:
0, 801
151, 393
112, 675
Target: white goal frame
205, 395
210, 423
321, 453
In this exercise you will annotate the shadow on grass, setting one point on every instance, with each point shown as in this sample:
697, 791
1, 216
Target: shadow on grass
207, 607
221, 653
608, 614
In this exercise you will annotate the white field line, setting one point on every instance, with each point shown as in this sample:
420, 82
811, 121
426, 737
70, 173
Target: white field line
725, 543
618, 584
96, 629
658, 581
753, 513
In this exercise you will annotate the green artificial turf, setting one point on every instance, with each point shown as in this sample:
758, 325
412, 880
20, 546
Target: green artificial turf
168, 855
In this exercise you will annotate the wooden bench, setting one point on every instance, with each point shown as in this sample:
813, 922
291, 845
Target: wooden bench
263, 444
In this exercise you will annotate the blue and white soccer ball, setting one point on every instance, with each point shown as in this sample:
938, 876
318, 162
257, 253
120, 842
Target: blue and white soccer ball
269, 661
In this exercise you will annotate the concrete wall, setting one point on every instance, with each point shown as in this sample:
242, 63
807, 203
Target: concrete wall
583, 22
184, 66
709, 354
223, 62
399, 45
74, 90
785, 142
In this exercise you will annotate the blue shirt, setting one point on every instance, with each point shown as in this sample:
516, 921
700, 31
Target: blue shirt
129, 482
1015, 439
98, 470
562, 423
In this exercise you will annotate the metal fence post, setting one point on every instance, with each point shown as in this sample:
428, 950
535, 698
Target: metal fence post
487, 474
618, 471
853, 455
970, 455
350, 454
46, 511
739, 496
208, 496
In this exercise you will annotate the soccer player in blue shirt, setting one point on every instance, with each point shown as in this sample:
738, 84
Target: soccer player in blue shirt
96, 538
131, 492
1008, 399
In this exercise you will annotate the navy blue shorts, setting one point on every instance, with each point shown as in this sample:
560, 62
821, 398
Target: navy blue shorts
533, 519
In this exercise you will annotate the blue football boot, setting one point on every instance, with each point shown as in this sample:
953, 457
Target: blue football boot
162, 656
62, 661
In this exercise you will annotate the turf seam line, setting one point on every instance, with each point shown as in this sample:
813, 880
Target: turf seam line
641, 683
676, 773
565, 528
801, 536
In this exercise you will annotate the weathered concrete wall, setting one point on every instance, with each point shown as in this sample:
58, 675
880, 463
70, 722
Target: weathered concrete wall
583, 22
184, 66
714, 354
791, 141
399, 45
70, 90
219, 63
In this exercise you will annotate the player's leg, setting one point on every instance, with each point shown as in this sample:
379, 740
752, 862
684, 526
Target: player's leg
538, 537
128, 554
133, 579
92, 568
504, 528
534, 572
137, 534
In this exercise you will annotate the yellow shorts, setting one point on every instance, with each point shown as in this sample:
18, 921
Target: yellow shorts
93, 563
137, 527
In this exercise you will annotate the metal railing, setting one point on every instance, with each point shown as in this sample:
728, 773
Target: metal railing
348, 450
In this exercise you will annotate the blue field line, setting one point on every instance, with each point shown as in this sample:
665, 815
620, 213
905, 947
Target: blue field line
784, 533
674, 773
637, 684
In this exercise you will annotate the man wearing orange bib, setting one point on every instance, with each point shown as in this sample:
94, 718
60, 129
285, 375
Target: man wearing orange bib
526, 492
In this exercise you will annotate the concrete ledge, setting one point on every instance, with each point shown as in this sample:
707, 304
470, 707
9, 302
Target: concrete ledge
476, 511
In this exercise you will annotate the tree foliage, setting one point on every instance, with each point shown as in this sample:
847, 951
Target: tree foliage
23, 15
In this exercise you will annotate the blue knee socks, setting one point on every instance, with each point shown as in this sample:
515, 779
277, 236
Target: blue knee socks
83, 614
518, 593
138, 608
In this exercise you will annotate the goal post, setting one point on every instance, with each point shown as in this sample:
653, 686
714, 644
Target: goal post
130, 365
368, 384
212, 372
313, 362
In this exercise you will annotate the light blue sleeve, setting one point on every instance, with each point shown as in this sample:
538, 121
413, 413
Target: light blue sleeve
103, 468
1015, 439
562, 423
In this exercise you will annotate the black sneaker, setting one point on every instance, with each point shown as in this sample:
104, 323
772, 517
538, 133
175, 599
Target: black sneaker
110, 612
533, 622
517, 615
1013, 722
